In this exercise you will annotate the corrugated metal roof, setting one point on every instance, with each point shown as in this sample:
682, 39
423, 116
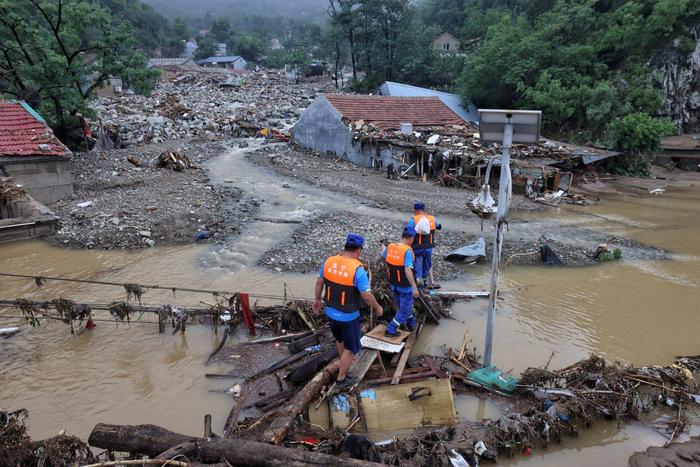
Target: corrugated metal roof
222, 59
453, 101
388, 113
23, 134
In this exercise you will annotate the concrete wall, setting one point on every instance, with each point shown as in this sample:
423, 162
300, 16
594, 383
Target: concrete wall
46, 178
321, 128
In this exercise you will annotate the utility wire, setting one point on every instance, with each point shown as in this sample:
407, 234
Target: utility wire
158, 287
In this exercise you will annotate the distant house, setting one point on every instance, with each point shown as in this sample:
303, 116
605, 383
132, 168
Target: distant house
190, 49
326, 124
446, 43
453, 101
221, 49
172, 66
234, 62
113, 87
32, 154
683, 151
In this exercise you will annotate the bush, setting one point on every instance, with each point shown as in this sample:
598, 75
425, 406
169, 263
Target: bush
637, 135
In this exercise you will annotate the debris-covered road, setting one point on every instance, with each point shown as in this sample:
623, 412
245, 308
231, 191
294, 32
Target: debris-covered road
330, 172
120, 205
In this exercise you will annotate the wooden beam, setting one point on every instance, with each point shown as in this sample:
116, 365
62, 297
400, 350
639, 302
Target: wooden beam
403, 359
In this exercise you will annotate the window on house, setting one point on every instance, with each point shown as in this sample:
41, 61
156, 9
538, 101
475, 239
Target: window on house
446, 46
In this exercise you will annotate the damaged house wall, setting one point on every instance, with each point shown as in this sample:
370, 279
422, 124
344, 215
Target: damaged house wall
321, 128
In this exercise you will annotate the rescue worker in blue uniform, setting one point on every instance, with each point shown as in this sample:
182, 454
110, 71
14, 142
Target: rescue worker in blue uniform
399, 268
343, 284
425, 226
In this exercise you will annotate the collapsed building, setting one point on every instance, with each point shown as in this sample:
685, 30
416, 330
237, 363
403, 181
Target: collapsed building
425, 137
330, 124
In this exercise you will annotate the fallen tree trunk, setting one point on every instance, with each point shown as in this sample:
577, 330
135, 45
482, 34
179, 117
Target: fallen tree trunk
280, 425
153, 440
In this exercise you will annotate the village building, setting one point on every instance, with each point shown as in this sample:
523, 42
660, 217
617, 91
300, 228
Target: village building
169, 67
190, 49
233, 62
682, 150
327, 125
221, 49
32, 155
446, 43
453, 101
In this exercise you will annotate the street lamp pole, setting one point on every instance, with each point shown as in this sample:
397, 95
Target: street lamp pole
504, 198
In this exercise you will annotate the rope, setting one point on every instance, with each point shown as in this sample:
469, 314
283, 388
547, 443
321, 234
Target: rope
158, 287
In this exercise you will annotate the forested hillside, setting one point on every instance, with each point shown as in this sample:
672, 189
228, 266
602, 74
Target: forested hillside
216, 8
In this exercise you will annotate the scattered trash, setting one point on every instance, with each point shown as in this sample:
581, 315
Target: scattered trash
491, 377
469, 253
175, 160
85, 204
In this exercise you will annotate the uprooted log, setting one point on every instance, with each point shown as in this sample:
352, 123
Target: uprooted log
152, 440
280, 425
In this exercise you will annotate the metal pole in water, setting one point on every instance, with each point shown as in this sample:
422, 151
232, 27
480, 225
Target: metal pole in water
504, 196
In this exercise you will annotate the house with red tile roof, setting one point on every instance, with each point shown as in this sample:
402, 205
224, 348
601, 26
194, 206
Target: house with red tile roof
326, 125
32, 154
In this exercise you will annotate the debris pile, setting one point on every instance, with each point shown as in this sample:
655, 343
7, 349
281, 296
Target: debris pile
195, 105
121, 205
174, 159
17, 449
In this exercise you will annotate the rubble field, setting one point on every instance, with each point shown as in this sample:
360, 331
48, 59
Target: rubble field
331, 172
196, 105
117, 204
323, 236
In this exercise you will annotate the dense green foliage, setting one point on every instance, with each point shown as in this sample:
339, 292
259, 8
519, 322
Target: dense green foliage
637, 134
153, 33
55, 53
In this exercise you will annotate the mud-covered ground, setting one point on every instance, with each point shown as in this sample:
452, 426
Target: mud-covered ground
313, 242
318, 238
330, 172
136, 207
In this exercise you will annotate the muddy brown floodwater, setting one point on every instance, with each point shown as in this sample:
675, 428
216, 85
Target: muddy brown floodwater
635, 312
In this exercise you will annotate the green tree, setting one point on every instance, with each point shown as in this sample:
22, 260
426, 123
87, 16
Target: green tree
248, 46
638, 135
206, 47
220, 30
55, 53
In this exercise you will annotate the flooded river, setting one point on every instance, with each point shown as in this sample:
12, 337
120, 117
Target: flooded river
635, 312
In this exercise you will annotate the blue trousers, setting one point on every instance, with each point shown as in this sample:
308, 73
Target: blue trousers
424, 262
404, 305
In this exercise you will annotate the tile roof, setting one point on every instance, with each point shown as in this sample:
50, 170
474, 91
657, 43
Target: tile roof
24, 133
453, 101
388, 113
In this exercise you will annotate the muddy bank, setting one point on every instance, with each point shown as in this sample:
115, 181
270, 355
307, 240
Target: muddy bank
328, 171
120, 205
323, 236
684, 454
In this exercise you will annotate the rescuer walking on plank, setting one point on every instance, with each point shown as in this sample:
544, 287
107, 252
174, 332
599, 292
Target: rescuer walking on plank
425, 226
399, 268
344, 283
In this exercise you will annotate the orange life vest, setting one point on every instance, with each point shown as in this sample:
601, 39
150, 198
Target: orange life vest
338, 276
423, 241
395, 265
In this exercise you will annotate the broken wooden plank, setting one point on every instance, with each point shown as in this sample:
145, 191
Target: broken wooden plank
379, 333
280, 425
361, 365
404, 358
455, 294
